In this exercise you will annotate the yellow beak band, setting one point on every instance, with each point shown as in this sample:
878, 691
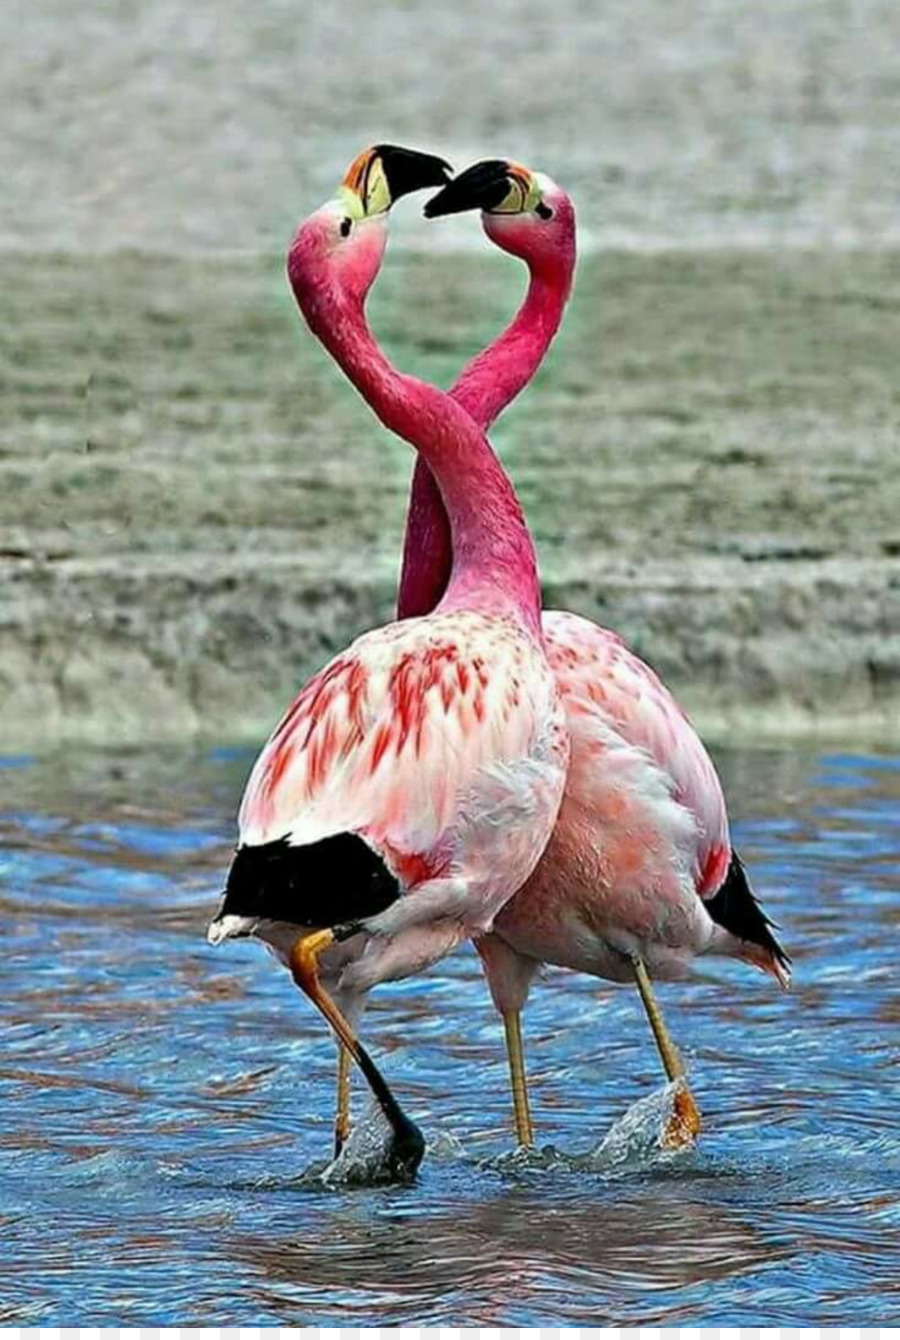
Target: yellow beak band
524, 192
365, 185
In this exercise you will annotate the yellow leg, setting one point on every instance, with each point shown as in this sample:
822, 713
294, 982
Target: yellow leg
342, 1106
512, 1024
684, 1124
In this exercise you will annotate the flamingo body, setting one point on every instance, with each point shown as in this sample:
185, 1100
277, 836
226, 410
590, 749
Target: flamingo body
412, 783
431, 740
641, 846
594, 666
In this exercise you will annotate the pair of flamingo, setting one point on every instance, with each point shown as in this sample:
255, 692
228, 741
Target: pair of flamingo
479, 769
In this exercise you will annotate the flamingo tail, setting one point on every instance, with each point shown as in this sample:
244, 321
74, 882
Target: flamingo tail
736, 909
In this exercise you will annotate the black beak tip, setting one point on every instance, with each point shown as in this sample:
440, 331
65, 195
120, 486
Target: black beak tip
482, 186
436, 206
408, 170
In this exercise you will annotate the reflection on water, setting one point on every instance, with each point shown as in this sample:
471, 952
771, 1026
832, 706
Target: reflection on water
161, 1100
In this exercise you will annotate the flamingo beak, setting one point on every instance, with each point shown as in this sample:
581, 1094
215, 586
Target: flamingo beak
493, 185
384, 173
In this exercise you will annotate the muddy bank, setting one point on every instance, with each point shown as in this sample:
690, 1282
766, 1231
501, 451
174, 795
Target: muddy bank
195, 510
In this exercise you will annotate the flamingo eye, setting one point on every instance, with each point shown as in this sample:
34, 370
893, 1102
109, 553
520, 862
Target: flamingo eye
543, 211
346, 225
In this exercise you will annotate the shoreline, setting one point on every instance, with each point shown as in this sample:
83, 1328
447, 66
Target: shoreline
120, 653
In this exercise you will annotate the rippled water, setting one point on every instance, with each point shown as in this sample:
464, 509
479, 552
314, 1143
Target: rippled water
161, 1100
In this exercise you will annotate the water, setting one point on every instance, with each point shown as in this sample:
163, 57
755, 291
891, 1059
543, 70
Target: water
162, 1102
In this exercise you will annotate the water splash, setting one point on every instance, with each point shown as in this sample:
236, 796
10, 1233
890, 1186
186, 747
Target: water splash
637, 1140
370, 1155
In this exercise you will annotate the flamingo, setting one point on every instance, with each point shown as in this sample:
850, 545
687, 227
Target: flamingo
639, 875
413, 783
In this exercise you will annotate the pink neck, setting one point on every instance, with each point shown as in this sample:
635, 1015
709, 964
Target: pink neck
494, 566
484, 388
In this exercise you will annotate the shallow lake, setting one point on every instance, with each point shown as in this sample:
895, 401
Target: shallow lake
161, 1101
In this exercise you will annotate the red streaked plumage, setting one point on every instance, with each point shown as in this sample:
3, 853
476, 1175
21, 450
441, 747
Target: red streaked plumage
385, 742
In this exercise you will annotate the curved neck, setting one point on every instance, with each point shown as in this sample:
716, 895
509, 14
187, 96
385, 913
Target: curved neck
484, 388
494, 566
494, 378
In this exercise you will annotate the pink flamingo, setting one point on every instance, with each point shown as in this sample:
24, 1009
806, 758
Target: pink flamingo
412, 785
639, 875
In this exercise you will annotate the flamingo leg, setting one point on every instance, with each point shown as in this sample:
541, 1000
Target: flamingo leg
409, 1144
684, 1124
512, 1024
342, 1104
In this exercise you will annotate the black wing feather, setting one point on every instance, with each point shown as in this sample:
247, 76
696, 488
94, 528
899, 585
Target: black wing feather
339, 879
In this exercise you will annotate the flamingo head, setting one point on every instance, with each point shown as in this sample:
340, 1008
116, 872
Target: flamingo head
344, 241
523, 212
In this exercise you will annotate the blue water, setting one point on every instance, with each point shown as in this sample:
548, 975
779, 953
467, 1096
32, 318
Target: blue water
160, 1101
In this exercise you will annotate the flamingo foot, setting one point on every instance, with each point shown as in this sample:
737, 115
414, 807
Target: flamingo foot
683, 1124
